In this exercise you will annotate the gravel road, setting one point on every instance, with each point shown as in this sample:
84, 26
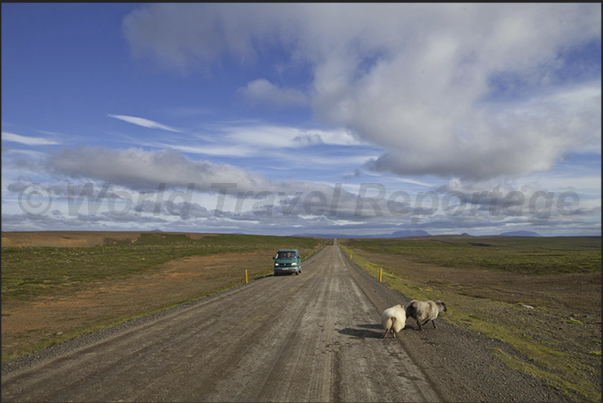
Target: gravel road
312, 337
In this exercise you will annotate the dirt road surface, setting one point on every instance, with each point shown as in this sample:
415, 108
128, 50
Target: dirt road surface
312, 337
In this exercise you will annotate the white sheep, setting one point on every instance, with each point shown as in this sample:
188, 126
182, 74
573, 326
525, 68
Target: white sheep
425, 311
393, 319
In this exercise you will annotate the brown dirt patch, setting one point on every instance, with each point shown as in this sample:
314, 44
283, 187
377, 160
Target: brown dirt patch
64, 239
28, 323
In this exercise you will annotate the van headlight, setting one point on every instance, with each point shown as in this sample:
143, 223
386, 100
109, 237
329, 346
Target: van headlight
276, 264
293, 264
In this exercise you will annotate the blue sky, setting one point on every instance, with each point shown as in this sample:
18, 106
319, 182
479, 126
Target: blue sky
283, 119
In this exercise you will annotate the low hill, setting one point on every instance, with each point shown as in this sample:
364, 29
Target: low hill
520, 233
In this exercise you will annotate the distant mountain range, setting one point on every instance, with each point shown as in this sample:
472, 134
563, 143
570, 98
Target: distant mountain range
397, 234
409, 233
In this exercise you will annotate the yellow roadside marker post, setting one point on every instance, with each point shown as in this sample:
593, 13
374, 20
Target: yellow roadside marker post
246, 277
380, 274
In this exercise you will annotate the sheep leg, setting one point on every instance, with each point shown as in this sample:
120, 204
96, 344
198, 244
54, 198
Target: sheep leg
419, 324
386, 332
433, 323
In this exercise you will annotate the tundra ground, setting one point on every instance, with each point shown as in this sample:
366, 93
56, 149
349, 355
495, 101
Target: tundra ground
494, 299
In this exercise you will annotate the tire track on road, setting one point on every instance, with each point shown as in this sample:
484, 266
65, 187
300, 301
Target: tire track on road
312, 337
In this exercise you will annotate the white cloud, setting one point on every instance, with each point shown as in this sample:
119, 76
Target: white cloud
271, 136
144, 122
258, 205
262, 90
254, 140
141, 169
217, 151
420, 81
30, 141
511, 139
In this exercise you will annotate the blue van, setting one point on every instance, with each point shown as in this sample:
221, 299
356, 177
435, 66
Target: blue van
287, 261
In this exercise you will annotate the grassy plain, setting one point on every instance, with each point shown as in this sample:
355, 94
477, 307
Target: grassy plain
540, 295
54, 293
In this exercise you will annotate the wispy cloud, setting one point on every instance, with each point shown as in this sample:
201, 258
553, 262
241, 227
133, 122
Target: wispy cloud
256, 139
273, 136
30, 141
144, 123
262, 90
214, 150
362, 118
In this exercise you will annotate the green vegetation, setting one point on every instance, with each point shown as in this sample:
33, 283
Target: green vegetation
530, 255
34, 271
34, 274
548, 344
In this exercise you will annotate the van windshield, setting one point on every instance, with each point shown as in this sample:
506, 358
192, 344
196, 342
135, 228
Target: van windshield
286, 255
